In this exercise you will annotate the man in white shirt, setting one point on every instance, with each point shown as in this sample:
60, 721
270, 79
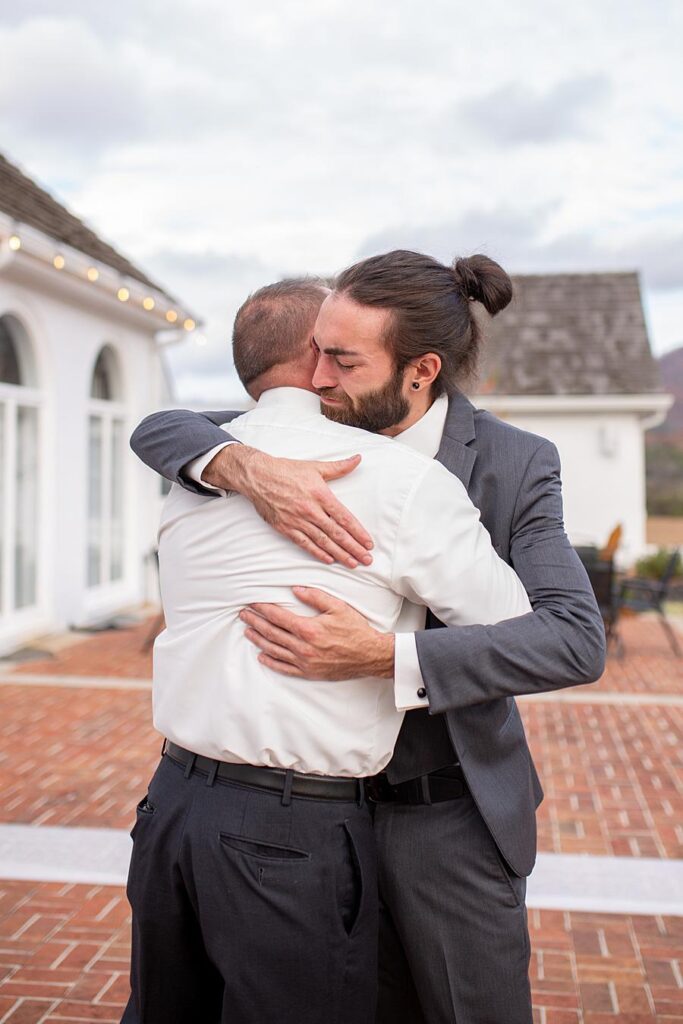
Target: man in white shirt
253, 878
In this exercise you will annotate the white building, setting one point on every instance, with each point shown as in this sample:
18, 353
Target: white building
80, 365
570, 359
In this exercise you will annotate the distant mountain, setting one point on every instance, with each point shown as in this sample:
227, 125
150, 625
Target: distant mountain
671, 372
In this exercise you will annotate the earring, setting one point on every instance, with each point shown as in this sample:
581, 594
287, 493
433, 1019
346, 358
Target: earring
415, 386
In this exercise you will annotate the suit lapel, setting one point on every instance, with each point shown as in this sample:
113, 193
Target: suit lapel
458, 433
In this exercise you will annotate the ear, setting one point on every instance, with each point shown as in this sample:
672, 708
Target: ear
424, 370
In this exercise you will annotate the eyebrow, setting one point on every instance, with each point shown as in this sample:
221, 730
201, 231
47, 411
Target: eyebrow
336, 350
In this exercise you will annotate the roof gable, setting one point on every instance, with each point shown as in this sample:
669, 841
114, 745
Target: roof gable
570, 334
24, 201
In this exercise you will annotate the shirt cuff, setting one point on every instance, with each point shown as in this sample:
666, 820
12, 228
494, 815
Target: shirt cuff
195, 468
409, 688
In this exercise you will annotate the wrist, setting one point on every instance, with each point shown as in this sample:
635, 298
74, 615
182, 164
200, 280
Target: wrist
229, 469
383, 649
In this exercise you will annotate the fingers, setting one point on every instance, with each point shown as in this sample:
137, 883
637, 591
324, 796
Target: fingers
278, 616
275, 634
346, 529
272, 650
321, 540
280, 666
303, 541
333, 470
317, 599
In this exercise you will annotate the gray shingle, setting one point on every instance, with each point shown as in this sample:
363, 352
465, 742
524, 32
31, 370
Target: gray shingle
23, 200
570, 334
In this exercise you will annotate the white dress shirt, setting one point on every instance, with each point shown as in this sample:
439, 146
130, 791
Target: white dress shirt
424, 436
212, 695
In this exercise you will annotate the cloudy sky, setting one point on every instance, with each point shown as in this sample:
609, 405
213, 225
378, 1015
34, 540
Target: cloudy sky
222, 145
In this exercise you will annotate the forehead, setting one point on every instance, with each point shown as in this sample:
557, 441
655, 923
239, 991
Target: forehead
343, 323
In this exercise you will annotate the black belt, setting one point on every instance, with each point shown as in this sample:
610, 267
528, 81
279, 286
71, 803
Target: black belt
445, 784
278, 780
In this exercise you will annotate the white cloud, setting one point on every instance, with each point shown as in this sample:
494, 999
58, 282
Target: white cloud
282, 136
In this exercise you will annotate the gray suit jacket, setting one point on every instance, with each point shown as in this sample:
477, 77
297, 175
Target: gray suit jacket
472, 673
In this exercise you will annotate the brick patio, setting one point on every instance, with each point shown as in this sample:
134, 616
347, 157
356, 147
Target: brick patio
82, 756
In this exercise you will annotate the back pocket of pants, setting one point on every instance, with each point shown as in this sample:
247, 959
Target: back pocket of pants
263, 850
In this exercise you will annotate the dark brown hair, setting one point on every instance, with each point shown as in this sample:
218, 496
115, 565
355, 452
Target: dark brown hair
431, 306
273, 324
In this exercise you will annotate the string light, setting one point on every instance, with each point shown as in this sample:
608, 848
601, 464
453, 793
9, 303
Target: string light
123, 294
200, 339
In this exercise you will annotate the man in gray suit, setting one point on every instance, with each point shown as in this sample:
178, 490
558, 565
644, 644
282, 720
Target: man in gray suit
455, 809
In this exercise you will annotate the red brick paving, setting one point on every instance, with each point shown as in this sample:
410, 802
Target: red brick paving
64, 956
74, 756
647, 667
611, 774
612, 778
83, 757
116, 652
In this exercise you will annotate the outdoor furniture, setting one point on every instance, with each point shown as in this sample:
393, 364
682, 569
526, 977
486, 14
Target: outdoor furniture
645, 595
613, 541
602, 575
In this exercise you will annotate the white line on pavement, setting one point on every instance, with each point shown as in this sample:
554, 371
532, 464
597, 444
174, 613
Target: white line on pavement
614, 885
577, 695
75, 682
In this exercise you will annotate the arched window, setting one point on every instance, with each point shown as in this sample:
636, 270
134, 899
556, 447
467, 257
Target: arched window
19, 478
105, 554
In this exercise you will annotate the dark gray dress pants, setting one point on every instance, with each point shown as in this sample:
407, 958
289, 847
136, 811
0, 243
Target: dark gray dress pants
454, 944
248, 911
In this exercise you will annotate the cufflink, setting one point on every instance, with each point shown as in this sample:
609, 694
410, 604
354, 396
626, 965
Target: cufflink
422, 693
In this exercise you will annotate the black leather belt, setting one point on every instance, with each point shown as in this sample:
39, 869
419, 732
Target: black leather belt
316, 787
445, 784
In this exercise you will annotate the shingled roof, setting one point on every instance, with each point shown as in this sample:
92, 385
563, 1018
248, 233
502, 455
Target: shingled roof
24, 201
570, 334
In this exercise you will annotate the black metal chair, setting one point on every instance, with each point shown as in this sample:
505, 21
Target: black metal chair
602, 576
645, 595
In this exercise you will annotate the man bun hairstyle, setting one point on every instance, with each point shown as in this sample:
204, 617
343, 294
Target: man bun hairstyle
483, 280
431, 306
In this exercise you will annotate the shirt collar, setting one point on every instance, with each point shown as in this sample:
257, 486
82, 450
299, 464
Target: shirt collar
425, 435
306, 401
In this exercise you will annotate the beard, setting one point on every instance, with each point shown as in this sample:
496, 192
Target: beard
373, 411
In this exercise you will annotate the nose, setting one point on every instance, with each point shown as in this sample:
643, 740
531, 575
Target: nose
324, 376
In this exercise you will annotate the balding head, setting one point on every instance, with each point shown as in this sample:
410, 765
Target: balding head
272, 332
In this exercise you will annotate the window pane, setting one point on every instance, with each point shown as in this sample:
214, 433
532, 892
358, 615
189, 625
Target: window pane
116, 564
10, 372
26, 528
94, 501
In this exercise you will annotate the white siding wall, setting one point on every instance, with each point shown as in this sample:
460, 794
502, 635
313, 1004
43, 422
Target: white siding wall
603, 473
67, 335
